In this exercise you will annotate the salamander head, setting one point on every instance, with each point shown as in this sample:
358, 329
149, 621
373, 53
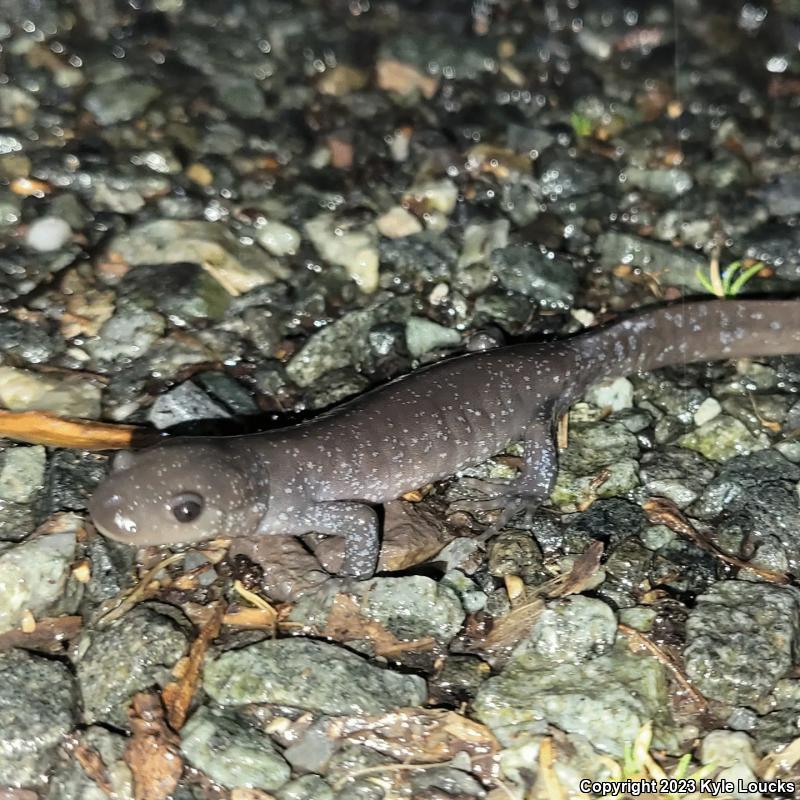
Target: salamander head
181, 491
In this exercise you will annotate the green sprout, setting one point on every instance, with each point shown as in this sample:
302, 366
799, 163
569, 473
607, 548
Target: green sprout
638, 763
732, 279
581, 124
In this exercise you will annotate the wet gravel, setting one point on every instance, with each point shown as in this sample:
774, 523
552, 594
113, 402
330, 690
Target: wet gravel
218, 217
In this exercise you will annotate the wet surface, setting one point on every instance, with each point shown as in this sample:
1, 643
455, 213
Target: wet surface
221, 217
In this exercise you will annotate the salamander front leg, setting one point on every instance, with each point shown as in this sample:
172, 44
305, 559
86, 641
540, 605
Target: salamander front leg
358, 524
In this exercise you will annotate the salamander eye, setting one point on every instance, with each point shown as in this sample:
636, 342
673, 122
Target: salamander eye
186, 507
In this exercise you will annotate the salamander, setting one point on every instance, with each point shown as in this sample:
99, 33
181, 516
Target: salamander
328, 473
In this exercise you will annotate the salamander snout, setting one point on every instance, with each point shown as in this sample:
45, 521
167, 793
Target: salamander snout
177, 492
107, 509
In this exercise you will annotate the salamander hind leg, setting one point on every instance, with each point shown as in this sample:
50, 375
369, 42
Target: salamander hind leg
525, 494
358, 524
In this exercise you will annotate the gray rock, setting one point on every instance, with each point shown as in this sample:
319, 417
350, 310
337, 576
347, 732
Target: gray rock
228, 391
310, 675
723, 438
741, 638
28, 341
597, 445
667, 182
424, 256
69, 396
783, 195
424, 335
20, 273
354, 248
607, 699
132, 654
755, 503
71, 478
37, 710
307, 787
120, 100
352, 758
344, 342
613, 520
184, 293
574, 629
509, 311
447, 782
573, 491
563, 176
239, 268
675, 473
127, 335
17, 521
422, 48
184, 403
241, 95
312, 750
112, 563
21, 473
471, 597
776, 244
548, 279
742, 479
70, 780
673, 266
412, 607
40, 572
232, 754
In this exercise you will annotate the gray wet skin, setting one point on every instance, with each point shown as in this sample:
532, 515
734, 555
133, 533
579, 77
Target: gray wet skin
324, 475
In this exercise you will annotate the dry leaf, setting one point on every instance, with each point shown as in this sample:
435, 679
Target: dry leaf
257, 618
50, 635
346, 623
584, 569
562, 432
250, 794
92, 764
779, 762
515, 588
644, 642
495, 639
119, 605
424, 736
661, 511
287, 568
177, 695
8, 793
29, 187
412, 534
41, 427
396, 76
153, 751
547, 777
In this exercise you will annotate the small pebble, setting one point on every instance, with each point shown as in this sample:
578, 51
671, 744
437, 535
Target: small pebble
706, 411
48, 234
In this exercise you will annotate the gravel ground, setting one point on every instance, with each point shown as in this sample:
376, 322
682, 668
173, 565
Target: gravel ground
219, 217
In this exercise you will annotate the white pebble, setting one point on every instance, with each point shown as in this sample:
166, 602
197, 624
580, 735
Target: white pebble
397, 223
614, 394
48, 234
279, 239
706, 411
